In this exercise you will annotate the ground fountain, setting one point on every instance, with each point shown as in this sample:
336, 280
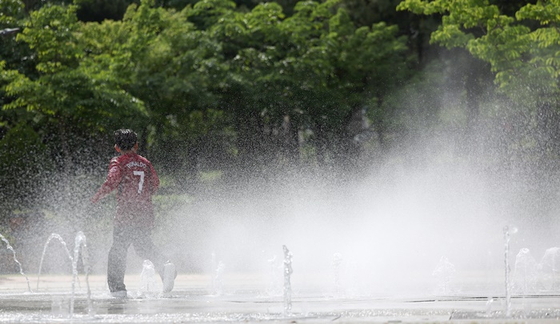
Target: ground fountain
444, 273
392, 254
80, 248
525, 276
63, 243
218, 268
287, 280
187, 303
550, 269
11, 249
150, 287
336, 264
507, 233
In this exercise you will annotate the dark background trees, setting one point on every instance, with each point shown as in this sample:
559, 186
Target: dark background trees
234, 90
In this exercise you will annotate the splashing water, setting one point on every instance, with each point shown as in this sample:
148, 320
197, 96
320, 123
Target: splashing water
550, 268
217, 269
51, 237
526, 272
287, 284
80, 245
489, 303
10, 248
336, 263
444, 272
507, 231
149, 285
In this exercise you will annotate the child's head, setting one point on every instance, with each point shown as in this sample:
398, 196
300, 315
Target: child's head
125, 139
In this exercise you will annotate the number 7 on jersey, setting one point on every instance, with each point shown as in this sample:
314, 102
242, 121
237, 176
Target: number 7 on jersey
141, 182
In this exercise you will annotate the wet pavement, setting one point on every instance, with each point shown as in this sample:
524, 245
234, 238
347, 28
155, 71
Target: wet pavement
247, 301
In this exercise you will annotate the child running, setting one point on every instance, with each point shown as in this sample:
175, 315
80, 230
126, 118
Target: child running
136, 181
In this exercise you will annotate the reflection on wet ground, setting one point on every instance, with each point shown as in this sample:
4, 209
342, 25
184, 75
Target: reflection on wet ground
192, 302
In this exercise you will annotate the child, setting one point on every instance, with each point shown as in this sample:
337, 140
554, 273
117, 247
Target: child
137, 181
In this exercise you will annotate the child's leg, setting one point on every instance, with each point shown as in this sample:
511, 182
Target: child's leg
146, 249
116, 266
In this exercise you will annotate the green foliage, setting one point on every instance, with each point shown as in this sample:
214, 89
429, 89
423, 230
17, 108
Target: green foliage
206, 13
100, 10
24, 162
211, 78
69, 85
11, 11
50, 32
17, 55
524, 59
367, 13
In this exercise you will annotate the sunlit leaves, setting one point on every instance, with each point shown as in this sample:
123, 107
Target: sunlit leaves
70, 84
546, 12
10, 12
51, 33
209, 63
522, 58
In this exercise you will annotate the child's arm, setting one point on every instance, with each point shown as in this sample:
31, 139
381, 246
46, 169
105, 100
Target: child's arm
111, 183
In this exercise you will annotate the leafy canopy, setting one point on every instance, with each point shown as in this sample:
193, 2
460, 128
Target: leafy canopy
526, 60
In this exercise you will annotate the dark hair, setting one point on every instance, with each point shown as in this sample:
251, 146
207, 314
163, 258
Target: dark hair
125, 139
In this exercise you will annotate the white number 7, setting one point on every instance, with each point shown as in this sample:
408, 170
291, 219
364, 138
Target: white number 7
141, 183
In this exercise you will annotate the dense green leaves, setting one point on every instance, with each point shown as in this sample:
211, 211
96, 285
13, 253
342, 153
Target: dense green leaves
522, 46
257, 86
258, 79
523, 58
10, 12
68, 86
24, 165
210, 73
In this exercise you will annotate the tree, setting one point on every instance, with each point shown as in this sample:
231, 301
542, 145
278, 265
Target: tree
13, 55
162, 59
523, 59
100, 10
521, 48
70, 91
24, 166
313, 70
348, 70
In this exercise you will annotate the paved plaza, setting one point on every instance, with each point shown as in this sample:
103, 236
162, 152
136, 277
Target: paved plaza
243, 298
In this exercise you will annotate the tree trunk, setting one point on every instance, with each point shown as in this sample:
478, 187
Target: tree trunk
320, 141
347, 143
288, 143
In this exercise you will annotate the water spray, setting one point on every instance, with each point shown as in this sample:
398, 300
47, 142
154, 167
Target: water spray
287, 284
525, 276
444, 272
507, 231
80, 244
548, 265
336, 262
218, 270
10, 248
148, 280
59, 238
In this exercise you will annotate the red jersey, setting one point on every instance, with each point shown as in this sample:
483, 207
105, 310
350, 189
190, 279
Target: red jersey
136, 181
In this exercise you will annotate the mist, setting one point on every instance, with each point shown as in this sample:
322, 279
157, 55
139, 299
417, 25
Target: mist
434, 195
391, 225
